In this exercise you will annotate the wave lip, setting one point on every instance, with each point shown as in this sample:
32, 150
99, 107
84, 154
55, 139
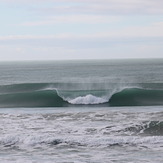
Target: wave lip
88, 99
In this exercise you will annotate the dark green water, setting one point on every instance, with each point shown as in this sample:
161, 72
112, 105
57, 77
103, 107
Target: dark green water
60, 84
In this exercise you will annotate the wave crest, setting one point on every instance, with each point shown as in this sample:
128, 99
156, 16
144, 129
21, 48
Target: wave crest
49, 95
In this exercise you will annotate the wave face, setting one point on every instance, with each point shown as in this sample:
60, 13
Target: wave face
137, 97
29, 95
53, 95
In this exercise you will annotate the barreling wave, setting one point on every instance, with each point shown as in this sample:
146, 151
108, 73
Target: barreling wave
48, 95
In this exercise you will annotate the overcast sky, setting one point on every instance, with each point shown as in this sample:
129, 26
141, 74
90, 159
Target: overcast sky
80, 29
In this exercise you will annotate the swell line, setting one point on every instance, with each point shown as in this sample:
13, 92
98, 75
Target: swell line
48, 95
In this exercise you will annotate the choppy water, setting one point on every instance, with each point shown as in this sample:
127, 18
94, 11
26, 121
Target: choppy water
82, 112
82, 135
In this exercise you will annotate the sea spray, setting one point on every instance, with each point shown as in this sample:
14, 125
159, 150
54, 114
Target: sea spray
88, 99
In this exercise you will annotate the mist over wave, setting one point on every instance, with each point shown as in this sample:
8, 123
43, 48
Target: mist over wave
48, 95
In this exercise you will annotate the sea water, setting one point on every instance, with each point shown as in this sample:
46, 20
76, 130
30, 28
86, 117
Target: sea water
81, 111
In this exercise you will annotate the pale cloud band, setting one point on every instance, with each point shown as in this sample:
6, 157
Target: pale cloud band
153, 30
81, 29
94, 6
90, 19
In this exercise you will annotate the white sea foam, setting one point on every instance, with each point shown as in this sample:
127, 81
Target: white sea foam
88, 99
46, 139
80, 134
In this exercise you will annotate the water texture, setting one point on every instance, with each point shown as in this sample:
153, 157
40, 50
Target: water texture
81, 111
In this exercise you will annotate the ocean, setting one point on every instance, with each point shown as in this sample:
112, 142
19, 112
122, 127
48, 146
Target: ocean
87, 111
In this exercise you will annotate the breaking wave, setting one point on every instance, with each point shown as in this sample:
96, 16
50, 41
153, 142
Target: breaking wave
88, 99
149, 128
48, 95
